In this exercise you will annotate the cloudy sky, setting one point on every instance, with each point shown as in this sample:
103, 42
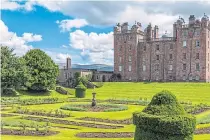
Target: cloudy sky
83, 30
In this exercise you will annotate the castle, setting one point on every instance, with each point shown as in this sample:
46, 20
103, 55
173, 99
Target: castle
140, 55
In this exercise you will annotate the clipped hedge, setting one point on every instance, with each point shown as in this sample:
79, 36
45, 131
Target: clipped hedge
80, 90
61, 90
164, 119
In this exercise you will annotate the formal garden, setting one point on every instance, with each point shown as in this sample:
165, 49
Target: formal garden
34, 107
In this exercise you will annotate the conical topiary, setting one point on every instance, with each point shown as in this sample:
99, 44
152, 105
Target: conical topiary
80, 90
164, 119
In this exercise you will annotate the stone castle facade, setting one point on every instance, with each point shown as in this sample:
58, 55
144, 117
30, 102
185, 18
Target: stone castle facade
140, 55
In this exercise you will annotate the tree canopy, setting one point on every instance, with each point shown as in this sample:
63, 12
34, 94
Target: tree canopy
14, 73
42, 69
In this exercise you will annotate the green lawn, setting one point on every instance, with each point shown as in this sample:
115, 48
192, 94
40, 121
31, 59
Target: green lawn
194, 92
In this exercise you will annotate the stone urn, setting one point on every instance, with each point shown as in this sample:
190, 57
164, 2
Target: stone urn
94, 99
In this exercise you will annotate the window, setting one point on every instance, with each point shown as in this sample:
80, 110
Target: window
184, 56
171, 46
120, 68
130, 48
170, 77
197, 43
197, 55
130, 78
157, 57
170, 67
184, 33
129, 58
97, 77
184, 66
197, 78
66, 75
120, 49
208, 44
144, 67
157, 78
197, 67
144, 48
197, 33
184, 43
184, 78
156, 67
120, 59
190, 78
170, 56
157, 47
208, 56
129, 68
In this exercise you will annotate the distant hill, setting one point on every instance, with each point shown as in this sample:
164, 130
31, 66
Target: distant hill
99, 67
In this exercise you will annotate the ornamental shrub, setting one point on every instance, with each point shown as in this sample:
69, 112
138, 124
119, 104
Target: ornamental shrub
164, 119
80, 90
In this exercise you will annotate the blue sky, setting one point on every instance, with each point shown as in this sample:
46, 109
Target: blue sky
83, 30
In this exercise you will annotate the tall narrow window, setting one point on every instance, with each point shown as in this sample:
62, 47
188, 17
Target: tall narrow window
144, 48
129, 58
184, 43
171, 46
144, 67
197, 67
157, 67
130, 48
129, 68
157, 57
197, 43
157, 47
120, 59
120, 49
170, 67
120, 68
184, 56
170, 56
197, 55
184, 66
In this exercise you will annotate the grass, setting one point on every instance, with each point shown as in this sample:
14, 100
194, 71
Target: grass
193, 92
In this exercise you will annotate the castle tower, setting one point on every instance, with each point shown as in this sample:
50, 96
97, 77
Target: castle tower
156, 30
68, 63
125, 50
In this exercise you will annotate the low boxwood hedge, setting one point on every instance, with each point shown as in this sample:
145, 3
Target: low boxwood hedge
164, 119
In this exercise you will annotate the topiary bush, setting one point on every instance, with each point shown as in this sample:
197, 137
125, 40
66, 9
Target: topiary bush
80, 90
164, 119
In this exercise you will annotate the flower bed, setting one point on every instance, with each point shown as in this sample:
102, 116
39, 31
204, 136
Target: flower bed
51, 113
125, 121
97, 108
105, 135
66, 122
6, 131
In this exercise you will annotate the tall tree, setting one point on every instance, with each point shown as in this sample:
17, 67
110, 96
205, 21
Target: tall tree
42, 69
13, 71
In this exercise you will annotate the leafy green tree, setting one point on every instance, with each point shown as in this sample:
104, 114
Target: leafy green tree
77, 78
42, 69
14, 73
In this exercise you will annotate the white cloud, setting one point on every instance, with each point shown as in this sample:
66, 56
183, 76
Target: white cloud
29, 37
58, 57
20, 44
98, 47
67, 25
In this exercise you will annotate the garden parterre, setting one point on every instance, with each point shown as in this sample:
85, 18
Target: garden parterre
125, 94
